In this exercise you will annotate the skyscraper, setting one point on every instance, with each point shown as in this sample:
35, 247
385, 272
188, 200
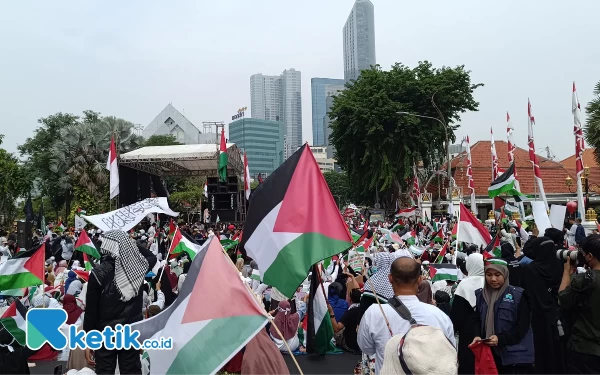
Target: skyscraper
359, 39
320, 88
279, 98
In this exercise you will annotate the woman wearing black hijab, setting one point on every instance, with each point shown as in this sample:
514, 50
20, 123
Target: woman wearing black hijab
514, 270
541, 279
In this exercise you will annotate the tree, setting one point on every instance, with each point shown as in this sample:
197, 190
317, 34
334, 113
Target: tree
13, 184
339, 187
78, 156
592, 128
36, 150
377, 146
162, 140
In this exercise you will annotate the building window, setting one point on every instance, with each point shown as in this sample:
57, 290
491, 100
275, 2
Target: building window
169, 122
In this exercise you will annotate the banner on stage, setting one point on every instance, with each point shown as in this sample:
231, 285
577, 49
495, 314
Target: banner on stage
128, 217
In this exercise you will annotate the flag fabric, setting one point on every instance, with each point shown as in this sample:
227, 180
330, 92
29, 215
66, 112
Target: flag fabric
246, 177
85, 245
407, 212
495, 163
42, 218
443, 271
14, 321
293, 223
25, 269
111, 166
213, 331
81, 212
416, 193
438, 236
223, 158
28, 209
228, 244
206, 189
86, 263
471, 182
470, 229
505, 184
61, 226
579, 148
172, 227
182, 244
319, 329
454, 231
410, 237
511, 157
442, 254
532, 155
492, 250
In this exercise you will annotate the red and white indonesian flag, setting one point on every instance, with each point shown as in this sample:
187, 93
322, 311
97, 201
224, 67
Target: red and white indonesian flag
246, 177
408, 212
579, 148
111, 166
470, 229
211, 320
532, 155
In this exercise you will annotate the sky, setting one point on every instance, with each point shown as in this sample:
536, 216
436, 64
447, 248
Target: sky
131, 58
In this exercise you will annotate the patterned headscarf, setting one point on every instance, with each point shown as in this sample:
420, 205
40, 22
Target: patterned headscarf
130, 264
380, 281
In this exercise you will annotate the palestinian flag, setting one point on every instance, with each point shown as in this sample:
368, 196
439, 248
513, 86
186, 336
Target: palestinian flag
505, 183
470, 229
293, 223
86, 263
438, 237
319, 329
410, 237
355, 236
454, 231
492, 250
86, 246
25, 269
61, 226
172, 227
214, 331
442, 254
365, 245
444, 271
181, 244
223, 158
14, 321
397, 227
81, 212
229, 244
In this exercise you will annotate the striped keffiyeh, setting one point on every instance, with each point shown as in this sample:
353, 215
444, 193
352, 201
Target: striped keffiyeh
130, 264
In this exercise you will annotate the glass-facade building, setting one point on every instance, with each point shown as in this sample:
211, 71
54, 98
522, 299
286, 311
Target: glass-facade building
359, 39
320, 89
262, 140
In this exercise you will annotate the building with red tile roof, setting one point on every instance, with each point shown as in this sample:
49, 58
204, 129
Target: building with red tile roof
590, 162
553, 174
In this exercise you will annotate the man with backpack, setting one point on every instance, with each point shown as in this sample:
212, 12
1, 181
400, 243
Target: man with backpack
381, 322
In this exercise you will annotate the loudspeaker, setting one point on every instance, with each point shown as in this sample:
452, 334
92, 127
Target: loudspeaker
24, 233
222, 201
216, 186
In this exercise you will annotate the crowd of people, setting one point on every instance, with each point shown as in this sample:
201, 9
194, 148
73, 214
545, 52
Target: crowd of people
525, 311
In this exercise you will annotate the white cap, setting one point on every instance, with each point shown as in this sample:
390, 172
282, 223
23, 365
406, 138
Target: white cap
418, 342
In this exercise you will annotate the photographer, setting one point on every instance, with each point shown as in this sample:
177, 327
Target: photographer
579, 295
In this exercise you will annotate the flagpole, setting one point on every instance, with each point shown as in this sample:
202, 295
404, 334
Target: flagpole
267, 315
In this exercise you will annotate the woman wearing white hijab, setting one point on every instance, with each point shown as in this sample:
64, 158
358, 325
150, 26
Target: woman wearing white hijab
463, 315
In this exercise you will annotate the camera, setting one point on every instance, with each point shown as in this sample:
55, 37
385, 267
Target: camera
563, 254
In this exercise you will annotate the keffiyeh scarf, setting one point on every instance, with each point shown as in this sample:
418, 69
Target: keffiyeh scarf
130, 264
380, 281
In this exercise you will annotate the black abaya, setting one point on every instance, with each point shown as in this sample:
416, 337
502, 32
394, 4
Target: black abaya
464, 318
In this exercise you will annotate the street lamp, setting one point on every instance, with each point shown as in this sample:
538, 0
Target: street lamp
447, 143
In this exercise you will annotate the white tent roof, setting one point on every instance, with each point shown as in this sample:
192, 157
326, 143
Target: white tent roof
182, 160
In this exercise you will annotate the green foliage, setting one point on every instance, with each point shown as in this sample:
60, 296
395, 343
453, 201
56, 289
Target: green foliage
376, 146
161, 140
339, 187
592, 128
13, 185
189, 196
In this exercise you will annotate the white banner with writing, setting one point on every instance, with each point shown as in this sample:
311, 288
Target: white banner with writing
129, 216
79, 223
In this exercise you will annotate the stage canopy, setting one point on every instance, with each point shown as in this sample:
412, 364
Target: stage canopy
182, 160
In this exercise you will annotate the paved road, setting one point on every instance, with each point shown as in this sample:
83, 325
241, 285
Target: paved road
330, 364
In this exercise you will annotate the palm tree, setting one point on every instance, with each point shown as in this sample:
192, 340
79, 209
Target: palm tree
592, 128
79, 155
